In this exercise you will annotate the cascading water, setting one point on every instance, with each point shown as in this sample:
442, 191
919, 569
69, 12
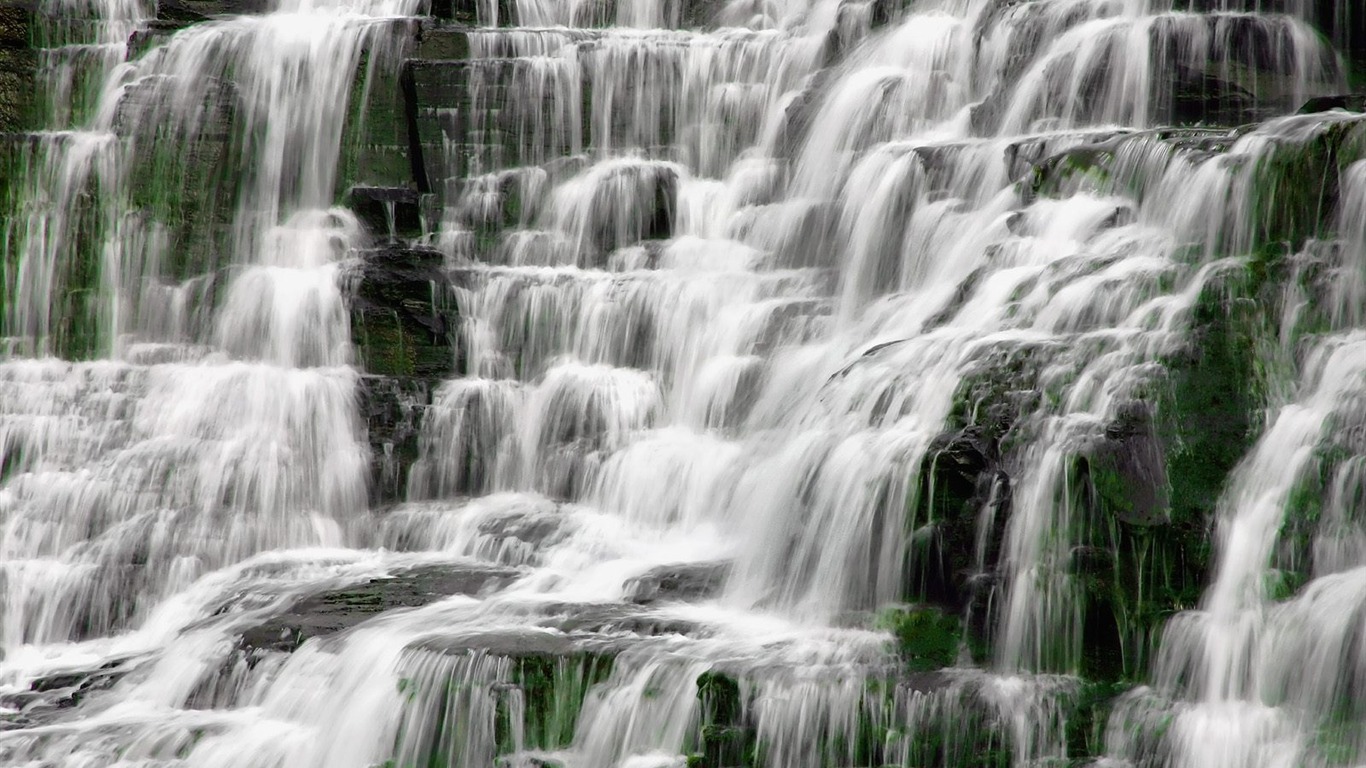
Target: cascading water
793, 384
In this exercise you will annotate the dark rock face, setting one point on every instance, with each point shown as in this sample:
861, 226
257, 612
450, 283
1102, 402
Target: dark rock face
472, 116
1200, 97
1128, 470
387, 212
963, 476
1345, 24
392, 409
190, 11
620, 620
18, 69
1351, 102
402, 319
330, 612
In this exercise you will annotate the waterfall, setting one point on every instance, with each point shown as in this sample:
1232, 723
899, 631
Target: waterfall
644, 384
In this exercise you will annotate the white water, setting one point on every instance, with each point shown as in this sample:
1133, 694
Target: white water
725, 332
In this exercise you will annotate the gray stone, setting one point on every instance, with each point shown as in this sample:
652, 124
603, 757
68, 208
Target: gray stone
326, 613
682, 582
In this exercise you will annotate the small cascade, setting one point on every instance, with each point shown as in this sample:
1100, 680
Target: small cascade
221, 422
1261, 673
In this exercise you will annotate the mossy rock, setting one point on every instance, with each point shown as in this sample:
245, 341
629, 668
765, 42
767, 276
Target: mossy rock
1141, 560
726, 737
925, 639
403, 321
1127, 468
553, 690
392, 409
961, 475
482, 696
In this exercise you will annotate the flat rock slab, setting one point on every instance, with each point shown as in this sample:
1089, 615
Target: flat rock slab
329, 612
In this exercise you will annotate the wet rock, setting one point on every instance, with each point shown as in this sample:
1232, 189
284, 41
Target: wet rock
387, 212
1351, 102
49, 695
729, 736
199, 10
514, 643
684, 582
801, 230
535, 530
962, 476
1061, 173
613, 619
329, 612
453, 137
1199, 97
800, 112
700, 14
392, 409
438, 40
402, 320
1128, 470
154, 32
546, 674
18, 70
636, 202
1345, 24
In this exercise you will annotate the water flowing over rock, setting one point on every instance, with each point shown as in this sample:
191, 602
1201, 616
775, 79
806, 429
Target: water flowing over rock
665, 383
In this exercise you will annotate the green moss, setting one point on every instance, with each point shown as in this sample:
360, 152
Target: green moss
725, 738
926, 638
719, 695
374, 145
553, 691
1294, 188
1087, 715
383, 346
1084, 168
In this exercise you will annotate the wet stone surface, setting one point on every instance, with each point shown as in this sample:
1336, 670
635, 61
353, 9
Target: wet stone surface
50, 695
330, 612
